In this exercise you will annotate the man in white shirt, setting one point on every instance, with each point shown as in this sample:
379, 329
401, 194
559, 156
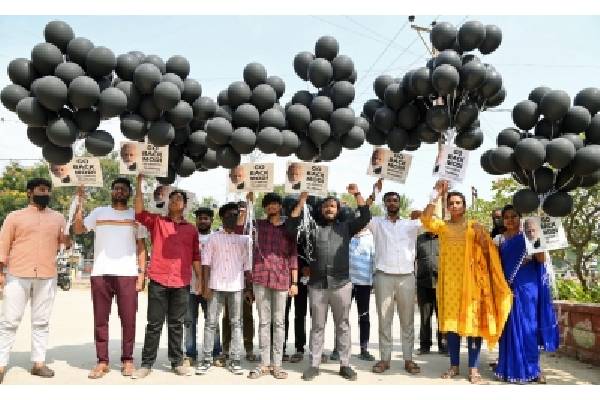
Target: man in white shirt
118, 271
395, 240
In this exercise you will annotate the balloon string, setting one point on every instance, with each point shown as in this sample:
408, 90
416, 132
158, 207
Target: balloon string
567, 183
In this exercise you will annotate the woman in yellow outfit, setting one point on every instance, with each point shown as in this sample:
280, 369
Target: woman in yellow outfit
473, 297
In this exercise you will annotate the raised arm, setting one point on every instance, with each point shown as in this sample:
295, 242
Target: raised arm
427, 220
78, 225
139, 195
297, 211
357, 224
376, 189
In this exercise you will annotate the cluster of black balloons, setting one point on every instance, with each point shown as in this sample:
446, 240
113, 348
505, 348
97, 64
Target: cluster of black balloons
561, 154
248, 117
69, 85
324, 122
448, 93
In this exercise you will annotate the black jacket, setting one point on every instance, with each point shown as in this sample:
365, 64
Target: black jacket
427, 260
330, 267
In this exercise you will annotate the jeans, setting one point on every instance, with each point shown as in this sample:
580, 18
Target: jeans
271, 308
362, 294
215, 304
191, 326
474, 346
170, 303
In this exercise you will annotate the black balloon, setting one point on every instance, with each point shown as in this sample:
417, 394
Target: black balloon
566, 180
342, 120
445, 79
420, 82
246, 115
443, 35
426, 134
486, 165
384, 119
219, 130
148, 109
145, 77
37, 136
471, 35
543, 180
100, 61
263, 97
525, 201
182, 134
45, 58
161, 133
31, 112
492, 84
174, 79
11, 95
492, 40
321, 108
319, 131
238, 93
223, 98
59, 33
414, 142
68, 71
502, 159
470, 139
22, 72
51, 92
303, 97
465, 116
87, 119
209, 160
133, 127
374, 136
306, 151
380, 85
330, 150
192, 90
112, 102
243, 140
180, 115
78, 49
204, 108
525, 114
99, 143
497, 99
449, 57
126, 65
166, 95
342, 67
327, 47
277, 84
269, 139
575, 139
224, 112
560, 152
437, 118
156, 61
591, 179
57, 154
588, 98
508, 137
547, 129
301, 62
62, 132
320, 72
397, 139
342, 94
555, 105
289, 143
185, 167
272, 117
371, 106
133, 96
587, 160
472, 75
592, 134
408, 117
196, 144
576, 120
255, 74
558, 204
538, 94
354, 138
298, 117
530, 153
394, 96
178, 65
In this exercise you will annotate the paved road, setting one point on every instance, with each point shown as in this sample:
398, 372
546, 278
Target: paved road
72, 353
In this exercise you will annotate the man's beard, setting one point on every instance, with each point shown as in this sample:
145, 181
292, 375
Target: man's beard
393, 211
119, 202
204, 230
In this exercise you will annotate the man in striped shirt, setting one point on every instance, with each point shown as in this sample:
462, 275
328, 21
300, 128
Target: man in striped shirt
225, 263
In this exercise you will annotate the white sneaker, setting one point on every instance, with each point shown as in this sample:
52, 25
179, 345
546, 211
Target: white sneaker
203, 368
235, 367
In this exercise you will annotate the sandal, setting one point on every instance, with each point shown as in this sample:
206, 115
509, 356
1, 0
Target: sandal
258, 372
278, 373
475, 378
450, 373
541, 379
411, 367
127, 368
381, 367
296, 357
99, 371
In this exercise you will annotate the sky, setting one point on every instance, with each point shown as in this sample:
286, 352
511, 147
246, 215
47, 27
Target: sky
556, 51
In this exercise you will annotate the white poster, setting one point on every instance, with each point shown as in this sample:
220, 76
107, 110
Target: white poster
544, 234
306, 177
388, 165
453, 163
251, 177
84, 171
143, 158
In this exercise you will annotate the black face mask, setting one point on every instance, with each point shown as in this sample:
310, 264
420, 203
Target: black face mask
230, 221
41, 200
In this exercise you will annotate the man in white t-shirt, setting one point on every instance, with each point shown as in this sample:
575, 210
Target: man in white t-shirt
118, 271
395, 239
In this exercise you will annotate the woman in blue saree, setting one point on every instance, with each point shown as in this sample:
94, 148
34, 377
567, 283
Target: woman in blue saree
532, 323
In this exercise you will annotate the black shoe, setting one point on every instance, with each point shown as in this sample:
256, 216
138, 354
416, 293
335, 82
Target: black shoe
348, 373
334, 356
310, 373
422, 352
366, 356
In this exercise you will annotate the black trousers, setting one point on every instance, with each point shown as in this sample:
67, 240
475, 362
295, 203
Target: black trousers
362, 294
170, 304
427, 305
300, 309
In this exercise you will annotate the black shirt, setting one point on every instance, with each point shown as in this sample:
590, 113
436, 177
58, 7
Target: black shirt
427, 260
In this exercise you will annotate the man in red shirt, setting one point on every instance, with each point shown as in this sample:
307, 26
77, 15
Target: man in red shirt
175, 246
